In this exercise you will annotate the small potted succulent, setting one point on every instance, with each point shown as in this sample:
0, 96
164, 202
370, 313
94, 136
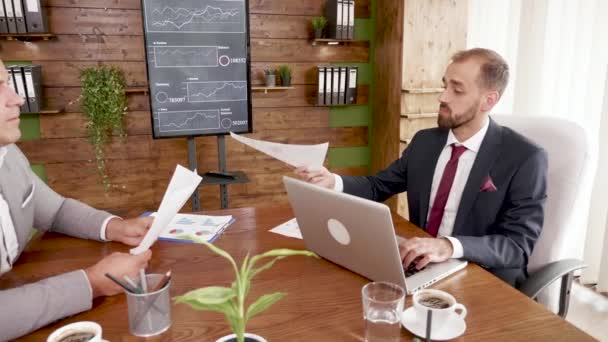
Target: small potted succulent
285, 73
318, 24
230, 301
271, 79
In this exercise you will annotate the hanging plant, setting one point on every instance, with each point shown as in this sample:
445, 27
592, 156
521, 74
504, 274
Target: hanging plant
104, 102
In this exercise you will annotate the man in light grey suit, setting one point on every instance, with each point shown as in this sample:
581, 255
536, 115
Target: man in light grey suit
26, 202
478, 188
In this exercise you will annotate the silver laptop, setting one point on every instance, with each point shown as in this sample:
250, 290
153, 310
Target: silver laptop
357, 234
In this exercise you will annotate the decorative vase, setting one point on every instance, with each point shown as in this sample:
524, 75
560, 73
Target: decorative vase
248, 338
319, 33
286, 81
271, 80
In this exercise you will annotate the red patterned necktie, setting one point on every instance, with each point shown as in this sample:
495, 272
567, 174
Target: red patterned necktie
443, 192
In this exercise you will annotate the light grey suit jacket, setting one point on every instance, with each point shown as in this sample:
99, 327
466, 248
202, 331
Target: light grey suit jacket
33, 204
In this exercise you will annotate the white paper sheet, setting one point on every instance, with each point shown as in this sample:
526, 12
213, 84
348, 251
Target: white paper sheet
182, 185
294, 155
289, 228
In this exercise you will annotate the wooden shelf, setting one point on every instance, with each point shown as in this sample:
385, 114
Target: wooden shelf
419, 115
337, 105
44, 112
331, 41
136, 90
422, 90
266, 89
27, 36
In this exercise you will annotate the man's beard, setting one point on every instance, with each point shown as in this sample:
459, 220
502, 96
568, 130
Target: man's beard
452, 122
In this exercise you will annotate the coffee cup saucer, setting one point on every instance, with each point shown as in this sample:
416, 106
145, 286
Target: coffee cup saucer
453, 328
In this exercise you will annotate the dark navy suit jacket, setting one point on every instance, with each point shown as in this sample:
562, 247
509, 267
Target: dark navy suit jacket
497, 229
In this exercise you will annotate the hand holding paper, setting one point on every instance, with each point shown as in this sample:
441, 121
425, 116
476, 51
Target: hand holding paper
294, 155
182, 184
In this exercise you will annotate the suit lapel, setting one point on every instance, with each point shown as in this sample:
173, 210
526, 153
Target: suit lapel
435, 146
488, 152
9, 187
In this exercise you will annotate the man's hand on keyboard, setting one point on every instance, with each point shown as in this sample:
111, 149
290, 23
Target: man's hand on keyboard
426, 250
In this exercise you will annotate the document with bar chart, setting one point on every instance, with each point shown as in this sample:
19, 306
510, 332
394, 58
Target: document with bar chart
197, 57
193, 228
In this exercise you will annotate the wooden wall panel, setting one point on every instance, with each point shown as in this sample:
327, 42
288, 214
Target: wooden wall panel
91, 33
387, 80
286, 7
67, 98
434, 30
67, 73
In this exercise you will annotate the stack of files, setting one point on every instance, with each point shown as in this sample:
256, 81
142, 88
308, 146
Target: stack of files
340, 19
27, 82
190, 227
337, 85
22, 16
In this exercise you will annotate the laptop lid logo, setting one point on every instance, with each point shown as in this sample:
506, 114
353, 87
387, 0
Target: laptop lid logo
338, 231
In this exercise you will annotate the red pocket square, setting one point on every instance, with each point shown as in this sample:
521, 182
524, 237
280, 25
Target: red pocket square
488, 185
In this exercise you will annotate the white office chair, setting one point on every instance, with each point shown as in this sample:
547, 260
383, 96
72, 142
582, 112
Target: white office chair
568, 181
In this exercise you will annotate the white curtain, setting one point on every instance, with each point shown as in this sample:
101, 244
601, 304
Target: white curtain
558, 54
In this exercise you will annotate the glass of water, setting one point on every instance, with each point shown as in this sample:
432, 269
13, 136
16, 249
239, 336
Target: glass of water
382, 307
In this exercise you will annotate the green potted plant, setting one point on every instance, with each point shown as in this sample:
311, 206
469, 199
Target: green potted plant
285, 73
271, 80
231, 300
318, 24
104, 103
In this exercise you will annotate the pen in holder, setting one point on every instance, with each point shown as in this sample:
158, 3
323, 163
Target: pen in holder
429, 321
150, 312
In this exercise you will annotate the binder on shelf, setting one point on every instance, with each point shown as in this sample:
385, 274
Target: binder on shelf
351, 20
344, 19
333, 12
35, 17
10, 16
3, 22
17, 73
328, 81
351, 90
342, 90
335, 85
321, 86
19, 18
33, 87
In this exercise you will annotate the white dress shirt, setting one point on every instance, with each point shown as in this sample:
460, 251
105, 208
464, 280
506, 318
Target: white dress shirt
465, 163
9, 243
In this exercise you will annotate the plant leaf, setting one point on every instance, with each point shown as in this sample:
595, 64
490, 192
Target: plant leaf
214, 249
223, 308
263, 303
210, 295
282, 252
254, 271
220, 252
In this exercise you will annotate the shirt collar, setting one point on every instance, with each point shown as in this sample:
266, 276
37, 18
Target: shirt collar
3, 151
474, 142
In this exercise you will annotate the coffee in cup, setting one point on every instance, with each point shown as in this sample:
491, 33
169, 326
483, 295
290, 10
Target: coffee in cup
76, 335
77, 332
434, 302
442, 304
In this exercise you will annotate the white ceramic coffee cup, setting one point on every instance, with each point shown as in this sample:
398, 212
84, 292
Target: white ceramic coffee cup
77, 326
440, 316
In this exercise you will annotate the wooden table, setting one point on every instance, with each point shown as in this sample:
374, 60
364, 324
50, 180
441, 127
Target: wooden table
323, 301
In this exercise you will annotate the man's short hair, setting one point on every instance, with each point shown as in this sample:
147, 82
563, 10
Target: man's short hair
494, 73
